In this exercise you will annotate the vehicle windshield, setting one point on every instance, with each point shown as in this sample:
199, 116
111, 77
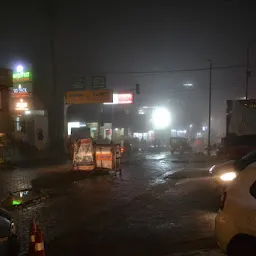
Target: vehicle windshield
110, 117
248, 159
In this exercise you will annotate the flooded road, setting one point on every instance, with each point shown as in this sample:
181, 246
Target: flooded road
148, 210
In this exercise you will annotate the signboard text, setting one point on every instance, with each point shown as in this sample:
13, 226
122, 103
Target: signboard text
86, 97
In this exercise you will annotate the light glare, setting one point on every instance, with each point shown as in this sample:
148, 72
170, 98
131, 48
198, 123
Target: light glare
228, 176
19, 68
161, 118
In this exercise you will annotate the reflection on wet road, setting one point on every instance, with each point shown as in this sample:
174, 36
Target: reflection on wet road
144, 211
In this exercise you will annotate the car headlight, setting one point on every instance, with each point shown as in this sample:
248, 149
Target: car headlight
228, 176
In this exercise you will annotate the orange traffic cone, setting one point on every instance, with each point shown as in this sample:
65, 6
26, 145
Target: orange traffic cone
39, 243
32, 238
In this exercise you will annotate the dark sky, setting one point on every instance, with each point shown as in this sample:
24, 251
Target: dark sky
115, 38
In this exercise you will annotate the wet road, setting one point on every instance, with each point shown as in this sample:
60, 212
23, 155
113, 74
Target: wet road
156, 207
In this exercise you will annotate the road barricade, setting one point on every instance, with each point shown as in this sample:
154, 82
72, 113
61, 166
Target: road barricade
89, 156
36, 241
108, 157
83, 159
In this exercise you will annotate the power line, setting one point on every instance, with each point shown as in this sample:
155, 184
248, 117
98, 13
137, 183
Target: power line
156, 72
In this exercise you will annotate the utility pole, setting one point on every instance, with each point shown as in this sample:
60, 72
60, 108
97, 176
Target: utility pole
248, 73
210, 108
56, 111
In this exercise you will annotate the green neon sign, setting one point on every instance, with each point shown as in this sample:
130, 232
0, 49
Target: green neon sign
22, 76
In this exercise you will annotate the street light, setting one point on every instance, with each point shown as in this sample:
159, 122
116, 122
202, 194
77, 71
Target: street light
161, 118
188, 85
19, 68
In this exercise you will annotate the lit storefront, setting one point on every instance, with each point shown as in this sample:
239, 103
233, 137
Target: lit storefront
21, 97
119, 126
27, 120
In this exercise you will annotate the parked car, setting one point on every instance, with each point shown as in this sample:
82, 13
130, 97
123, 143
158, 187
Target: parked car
225, 173
235, 223
9, 241
179, 145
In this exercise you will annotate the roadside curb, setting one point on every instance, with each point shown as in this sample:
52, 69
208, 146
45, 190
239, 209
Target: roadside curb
209, 252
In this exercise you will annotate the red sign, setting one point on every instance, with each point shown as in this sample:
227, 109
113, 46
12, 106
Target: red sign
122, 98
19, 94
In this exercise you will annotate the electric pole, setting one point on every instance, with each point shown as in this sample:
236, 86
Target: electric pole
210, 108
56, 111
248, 73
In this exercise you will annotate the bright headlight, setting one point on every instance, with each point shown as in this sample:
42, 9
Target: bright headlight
228, 176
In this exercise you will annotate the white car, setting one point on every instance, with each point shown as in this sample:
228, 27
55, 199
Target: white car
9, 240
235, 223
225, 173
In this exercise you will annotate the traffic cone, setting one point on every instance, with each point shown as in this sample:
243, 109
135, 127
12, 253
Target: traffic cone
39, 243
32, 238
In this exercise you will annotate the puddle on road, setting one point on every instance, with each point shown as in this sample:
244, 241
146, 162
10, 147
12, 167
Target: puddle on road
157, 181
21, 197
160, 156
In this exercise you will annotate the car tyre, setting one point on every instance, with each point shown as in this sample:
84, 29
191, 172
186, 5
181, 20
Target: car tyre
242, 245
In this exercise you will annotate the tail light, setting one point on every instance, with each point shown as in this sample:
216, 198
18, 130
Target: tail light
122, 150
223, 200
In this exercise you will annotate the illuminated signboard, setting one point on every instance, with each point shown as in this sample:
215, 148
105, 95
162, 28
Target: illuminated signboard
86, 97
20, 92
19, 77
122, 98
21, 105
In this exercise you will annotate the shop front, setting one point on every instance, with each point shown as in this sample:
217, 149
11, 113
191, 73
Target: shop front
29, 124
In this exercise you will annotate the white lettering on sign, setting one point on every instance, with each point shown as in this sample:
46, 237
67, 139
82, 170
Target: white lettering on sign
20, 90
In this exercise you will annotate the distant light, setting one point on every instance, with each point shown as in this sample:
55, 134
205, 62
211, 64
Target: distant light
19, 68
173, 130
204, 128
27, 112
161, 118
191, 125
72, 125
116, 129
141, 112
188, 85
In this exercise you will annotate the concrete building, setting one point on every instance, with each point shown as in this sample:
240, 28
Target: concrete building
5, 84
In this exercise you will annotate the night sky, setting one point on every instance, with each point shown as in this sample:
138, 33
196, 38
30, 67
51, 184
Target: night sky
121, 39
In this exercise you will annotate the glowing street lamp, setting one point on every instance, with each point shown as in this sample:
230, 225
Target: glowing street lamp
188, 85
161, 118
19, 68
